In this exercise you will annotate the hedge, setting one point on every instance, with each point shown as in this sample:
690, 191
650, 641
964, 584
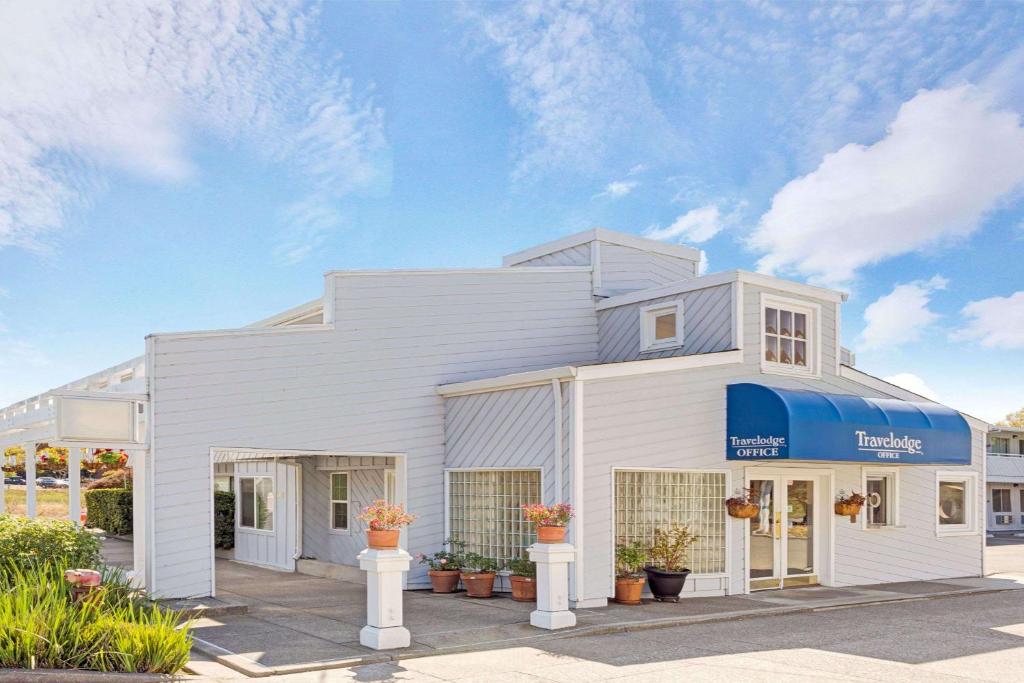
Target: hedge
110, 510
57, 542
224, 519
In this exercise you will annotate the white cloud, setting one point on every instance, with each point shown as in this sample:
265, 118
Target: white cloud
619, 188
902, 316
92, 86
995, 323
947, 160
912, 382
695, 226
575, 74
637, 170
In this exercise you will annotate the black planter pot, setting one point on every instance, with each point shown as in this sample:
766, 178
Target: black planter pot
666, 585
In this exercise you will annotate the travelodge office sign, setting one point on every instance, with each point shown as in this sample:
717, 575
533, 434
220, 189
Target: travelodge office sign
765, 423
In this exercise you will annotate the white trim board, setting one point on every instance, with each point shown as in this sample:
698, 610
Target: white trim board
621, 239
715, 279
590, 372
293, 313
459, 271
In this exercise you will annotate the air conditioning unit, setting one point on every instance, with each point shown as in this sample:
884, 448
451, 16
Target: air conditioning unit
1004, 519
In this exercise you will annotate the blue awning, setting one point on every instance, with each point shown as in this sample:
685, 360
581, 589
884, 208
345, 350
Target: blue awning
765, 423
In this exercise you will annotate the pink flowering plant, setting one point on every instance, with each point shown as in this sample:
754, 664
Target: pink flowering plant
382, 516
548, 515
445, 560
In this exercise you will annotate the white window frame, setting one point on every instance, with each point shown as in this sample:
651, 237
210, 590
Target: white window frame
238, 503
970, 481
814, 340
894, 496
447, 489
348, 503
998, 515
648, 322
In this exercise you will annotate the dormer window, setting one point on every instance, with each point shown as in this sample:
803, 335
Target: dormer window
661, 326
789, 333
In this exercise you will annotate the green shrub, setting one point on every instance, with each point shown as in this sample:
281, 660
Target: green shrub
113, 629
24, 542
110, 510
224, 519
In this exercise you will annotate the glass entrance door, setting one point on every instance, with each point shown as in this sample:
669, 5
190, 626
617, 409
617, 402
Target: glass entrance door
782, 539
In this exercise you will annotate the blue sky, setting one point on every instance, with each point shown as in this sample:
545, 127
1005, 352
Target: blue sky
190, 166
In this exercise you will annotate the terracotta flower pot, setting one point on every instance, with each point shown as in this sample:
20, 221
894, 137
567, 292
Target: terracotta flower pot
628, 589
479, 585
743, 510
524, 588
551, 534
444, 580
382, 539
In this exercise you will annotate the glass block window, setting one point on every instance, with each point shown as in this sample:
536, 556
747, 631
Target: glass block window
645, 501
484, 513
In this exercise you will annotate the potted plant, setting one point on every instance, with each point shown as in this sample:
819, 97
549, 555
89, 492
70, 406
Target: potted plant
849, 504
744, 504
444, 567
666, 572
629, 572
523, 578
551, 520
478, 575
386, 522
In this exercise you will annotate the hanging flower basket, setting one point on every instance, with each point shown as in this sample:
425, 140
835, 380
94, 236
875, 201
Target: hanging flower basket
849, 505
9, 469
743, 505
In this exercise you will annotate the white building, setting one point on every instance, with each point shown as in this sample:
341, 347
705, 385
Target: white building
1005, 479
598, 369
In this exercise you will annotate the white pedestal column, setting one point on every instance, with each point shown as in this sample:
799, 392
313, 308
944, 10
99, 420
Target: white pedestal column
384, 570
552, 585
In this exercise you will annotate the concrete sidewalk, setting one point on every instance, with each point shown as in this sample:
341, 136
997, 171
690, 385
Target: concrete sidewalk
294, 623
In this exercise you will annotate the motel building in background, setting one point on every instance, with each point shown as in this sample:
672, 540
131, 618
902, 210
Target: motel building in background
599, 369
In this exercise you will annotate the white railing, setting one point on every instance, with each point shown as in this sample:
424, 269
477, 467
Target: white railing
1007, 455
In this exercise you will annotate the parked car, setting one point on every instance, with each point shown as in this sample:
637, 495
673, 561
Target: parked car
47, 482
15, 480
62, 483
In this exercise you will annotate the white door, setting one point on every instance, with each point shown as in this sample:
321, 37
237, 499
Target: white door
267, 513
783, 538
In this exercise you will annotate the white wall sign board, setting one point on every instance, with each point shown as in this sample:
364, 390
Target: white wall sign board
96, 419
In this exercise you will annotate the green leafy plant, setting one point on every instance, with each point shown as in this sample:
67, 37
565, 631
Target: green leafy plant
224, 519
110, 510
522, 567
113, 629
630, 560
670, 548
25, 542
474, 563
445, 560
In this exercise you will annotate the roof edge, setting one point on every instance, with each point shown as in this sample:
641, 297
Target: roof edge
621, 239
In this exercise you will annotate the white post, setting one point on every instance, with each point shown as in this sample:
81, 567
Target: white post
75, 485
384, 570
30, 480
552, 561
139, 472
3, 507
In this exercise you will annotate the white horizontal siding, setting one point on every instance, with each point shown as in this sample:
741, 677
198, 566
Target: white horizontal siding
625, 269
368, 384
707, 326
678, 420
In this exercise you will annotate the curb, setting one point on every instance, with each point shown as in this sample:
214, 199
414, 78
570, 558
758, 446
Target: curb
82, 676
257, 670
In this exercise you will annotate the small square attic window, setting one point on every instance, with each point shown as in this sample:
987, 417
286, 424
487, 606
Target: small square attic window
661, 326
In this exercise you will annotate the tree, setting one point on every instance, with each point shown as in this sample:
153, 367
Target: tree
1015, 419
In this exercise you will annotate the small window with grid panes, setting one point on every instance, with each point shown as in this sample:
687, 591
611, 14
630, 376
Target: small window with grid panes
787, 342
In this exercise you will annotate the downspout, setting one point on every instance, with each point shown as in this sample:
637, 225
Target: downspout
577, 489
556, 389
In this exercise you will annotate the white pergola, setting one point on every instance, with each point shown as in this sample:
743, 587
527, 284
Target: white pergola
78, 420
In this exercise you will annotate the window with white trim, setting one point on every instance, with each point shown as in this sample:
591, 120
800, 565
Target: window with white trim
646, 500
999, 444
881, 489
661, 326
788, 336
954, 497
256, 503
1002, 508
339, 501
484, 511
